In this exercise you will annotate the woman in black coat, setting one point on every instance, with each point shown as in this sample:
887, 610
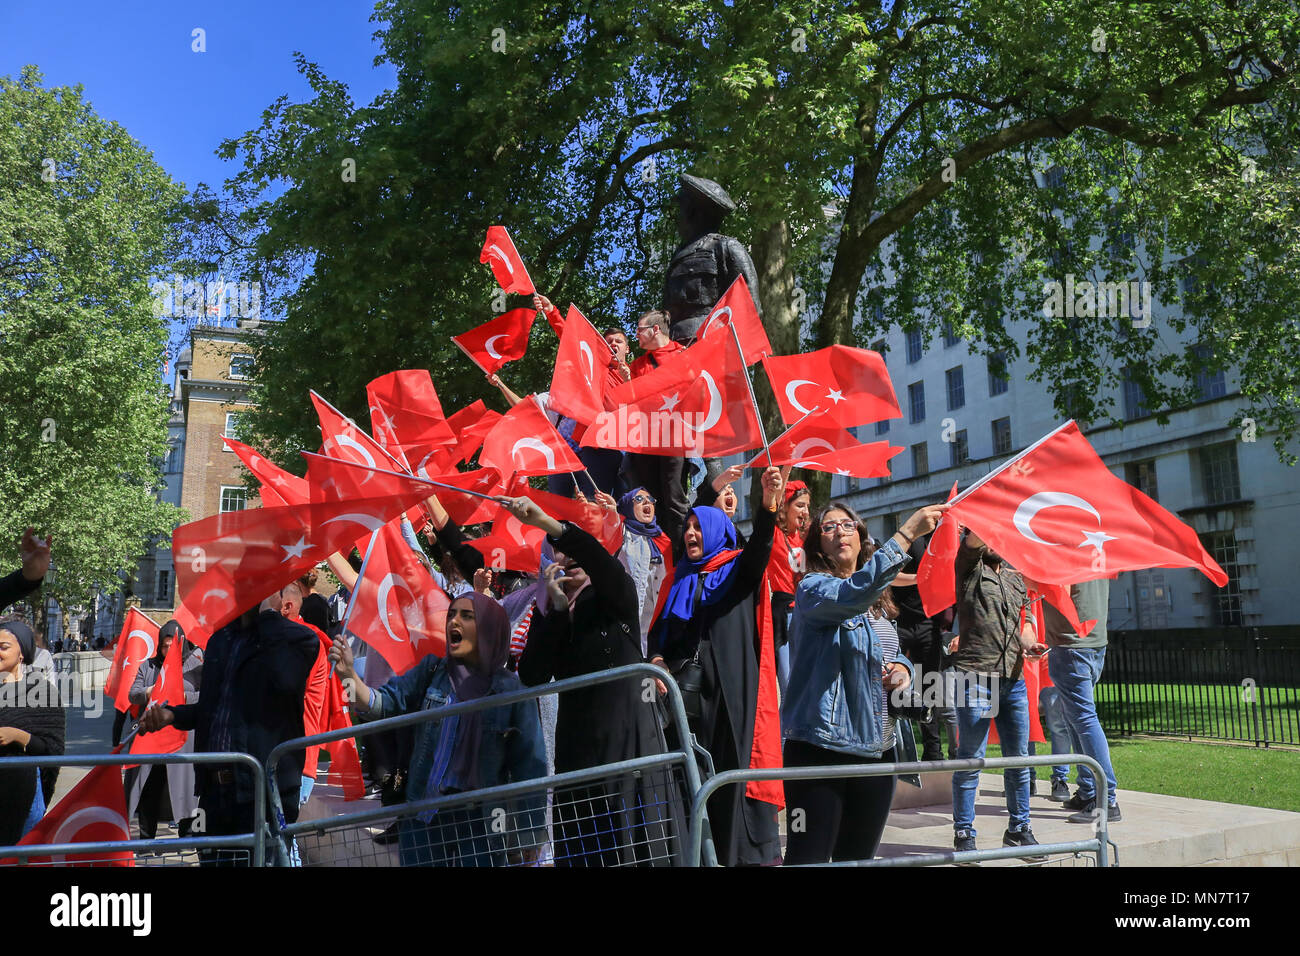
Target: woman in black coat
711, 616
590, 623
31, 725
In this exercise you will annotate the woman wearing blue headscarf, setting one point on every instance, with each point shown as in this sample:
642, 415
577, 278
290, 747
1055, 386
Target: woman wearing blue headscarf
712, 633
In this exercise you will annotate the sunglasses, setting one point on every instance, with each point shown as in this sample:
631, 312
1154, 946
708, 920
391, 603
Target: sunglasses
642, 500
847, 525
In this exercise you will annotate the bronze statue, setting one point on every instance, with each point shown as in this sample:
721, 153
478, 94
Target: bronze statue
707, 262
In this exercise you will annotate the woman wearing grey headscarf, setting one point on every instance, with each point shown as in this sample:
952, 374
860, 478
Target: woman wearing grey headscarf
487, 748
31, 724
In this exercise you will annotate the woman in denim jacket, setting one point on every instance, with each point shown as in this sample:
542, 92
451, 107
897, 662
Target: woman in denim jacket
487, 748
838, 682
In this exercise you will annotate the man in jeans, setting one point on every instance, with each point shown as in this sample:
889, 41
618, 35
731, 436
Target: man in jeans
997, 631
1075, 666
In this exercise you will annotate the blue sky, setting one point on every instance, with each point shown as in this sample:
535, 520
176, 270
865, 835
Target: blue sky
134, 59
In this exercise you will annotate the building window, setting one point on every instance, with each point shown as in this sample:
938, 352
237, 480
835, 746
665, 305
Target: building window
241, 366
1002, 436
164, 593
913, 347
232, 424
880, 345
882, 427
1142, 476
997, 373
1054, 177
959, 449
956, 388
1219, 477
920, 460
950, 338
175, 458
916, 401
1209, 384
890, 522
233, 498
1225, 602
1134, 405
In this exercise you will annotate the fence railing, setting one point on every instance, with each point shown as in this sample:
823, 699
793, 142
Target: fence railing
615, 814
1096, 845
250, 848
1235, 684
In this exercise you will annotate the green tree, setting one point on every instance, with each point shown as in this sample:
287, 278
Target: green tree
87, 219
891, 162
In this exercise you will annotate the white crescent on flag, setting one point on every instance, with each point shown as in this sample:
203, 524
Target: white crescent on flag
367, 521
389, 582
791, 390
350, 442
1028, 509
538, 445
716, 314
495, 250
585, 349
148, 642
488, 345
801, 449
715, 403
77, 822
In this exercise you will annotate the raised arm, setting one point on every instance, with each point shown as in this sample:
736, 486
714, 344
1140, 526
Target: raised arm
824, 598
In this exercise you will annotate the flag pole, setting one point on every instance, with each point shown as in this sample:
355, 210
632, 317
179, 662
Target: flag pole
408, 476
767, 449
811, 411
471, 357
352, 598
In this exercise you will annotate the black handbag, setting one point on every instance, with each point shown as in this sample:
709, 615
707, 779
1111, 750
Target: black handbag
689, 673
907, 704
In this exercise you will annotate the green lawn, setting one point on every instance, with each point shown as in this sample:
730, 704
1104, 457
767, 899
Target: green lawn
1202, 710
1221, 772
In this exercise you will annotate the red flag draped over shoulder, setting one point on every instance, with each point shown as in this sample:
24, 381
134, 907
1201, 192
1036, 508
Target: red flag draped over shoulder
766, 749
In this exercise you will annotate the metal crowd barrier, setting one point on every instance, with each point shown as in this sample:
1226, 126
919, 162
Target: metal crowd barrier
627, 813
1096, 845
245, 848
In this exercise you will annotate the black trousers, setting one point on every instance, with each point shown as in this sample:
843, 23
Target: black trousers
922, 642
152, 796
834, 818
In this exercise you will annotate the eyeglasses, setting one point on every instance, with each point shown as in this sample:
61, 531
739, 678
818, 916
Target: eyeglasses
642, 500
646, 328
847, 525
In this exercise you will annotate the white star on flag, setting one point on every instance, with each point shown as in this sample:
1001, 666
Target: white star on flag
296, 550
1097, 539
670, 402
835, 395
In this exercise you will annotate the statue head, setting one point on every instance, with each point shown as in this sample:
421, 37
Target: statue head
701, 206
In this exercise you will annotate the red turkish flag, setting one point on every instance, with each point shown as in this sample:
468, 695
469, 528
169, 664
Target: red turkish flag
1059, 516
605, 525
137, 643
469, 509
700, 406
228, 563
525, 443
168, 689
512, 545
1058, 595
498, 341
470, 425
499, 252
850, 386
94, 811
278, 486
865, 461
581, 370
398, 609
405, 411
936, 575
736, 307
346, 441
814, 435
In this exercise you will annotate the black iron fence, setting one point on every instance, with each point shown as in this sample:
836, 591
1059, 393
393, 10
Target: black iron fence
1239, 684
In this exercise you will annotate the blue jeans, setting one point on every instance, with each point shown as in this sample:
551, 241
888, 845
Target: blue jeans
783, 657
1075, 672
37, 809
974, 711
1049, 706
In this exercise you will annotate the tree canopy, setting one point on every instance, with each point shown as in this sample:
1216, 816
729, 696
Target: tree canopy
907, 164
87, 220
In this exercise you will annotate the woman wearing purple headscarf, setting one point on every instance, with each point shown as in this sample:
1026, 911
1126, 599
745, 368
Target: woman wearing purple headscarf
487, 748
